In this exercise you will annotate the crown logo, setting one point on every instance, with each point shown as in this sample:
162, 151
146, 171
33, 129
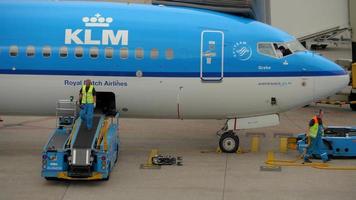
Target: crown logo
97, 21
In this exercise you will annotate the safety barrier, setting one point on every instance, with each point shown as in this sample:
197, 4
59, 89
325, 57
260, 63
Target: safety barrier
283, 141
255, 141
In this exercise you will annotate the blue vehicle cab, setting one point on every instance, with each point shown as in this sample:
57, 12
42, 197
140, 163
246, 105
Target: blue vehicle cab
338, 141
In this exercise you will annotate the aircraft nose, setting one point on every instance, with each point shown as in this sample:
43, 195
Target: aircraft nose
330, 84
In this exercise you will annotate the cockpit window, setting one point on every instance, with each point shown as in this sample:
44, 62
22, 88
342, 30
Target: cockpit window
266, 49
280, 49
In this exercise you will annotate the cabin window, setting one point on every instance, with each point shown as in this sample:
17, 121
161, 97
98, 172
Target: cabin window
30, 51
109, 52
139, 53
124, 53
63, 52
169, 54
46, 51
14, 51
154, 53
78, 52
266, 49
94, 52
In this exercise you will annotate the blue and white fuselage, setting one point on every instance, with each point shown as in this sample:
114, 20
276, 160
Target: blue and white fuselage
161, 62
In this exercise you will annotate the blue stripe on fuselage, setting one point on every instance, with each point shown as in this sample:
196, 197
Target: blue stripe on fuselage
173, 74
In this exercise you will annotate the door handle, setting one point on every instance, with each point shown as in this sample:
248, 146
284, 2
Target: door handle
209, 54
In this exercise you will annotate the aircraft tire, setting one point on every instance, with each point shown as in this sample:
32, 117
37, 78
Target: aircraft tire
229, 142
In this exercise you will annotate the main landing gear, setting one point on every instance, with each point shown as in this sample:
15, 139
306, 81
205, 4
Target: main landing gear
228, 140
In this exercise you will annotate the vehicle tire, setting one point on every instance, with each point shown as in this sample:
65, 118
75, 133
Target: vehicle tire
51, 178
352, 97
107, 178
117, 153
229, 142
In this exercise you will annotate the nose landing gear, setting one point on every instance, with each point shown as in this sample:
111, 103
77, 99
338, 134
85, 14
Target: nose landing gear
228, 140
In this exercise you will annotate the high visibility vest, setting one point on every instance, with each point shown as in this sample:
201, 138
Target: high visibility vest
87, 97
313, 131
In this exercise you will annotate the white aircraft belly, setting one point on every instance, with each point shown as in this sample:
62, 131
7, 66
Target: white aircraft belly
159, 97
244, 97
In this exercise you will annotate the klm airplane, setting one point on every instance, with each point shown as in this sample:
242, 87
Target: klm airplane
157, 62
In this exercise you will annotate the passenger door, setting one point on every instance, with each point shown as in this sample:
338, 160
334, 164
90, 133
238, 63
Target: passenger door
212, 56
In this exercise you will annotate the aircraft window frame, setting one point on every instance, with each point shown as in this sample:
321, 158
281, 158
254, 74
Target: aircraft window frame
13, 51
295, 46
79, 52
109, 52
169, 54
63, 52
124, 53
154, 54
30, 51
94, 52
139, 53
266, 54
46, 51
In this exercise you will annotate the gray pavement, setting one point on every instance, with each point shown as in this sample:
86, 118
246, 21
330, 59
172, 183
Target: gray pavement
205, 176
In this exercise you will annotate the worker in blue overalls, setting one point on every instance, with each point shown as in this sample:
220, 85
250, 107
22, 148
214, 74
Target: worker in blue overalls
316, 131
87, 98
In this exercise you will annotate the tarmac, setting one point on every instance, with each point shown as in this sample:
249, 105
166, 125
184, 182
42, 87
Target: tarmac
204, 175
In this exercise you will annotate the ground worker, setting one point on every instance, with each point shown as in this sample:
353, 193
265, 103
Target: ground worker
87, 99
316, 131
